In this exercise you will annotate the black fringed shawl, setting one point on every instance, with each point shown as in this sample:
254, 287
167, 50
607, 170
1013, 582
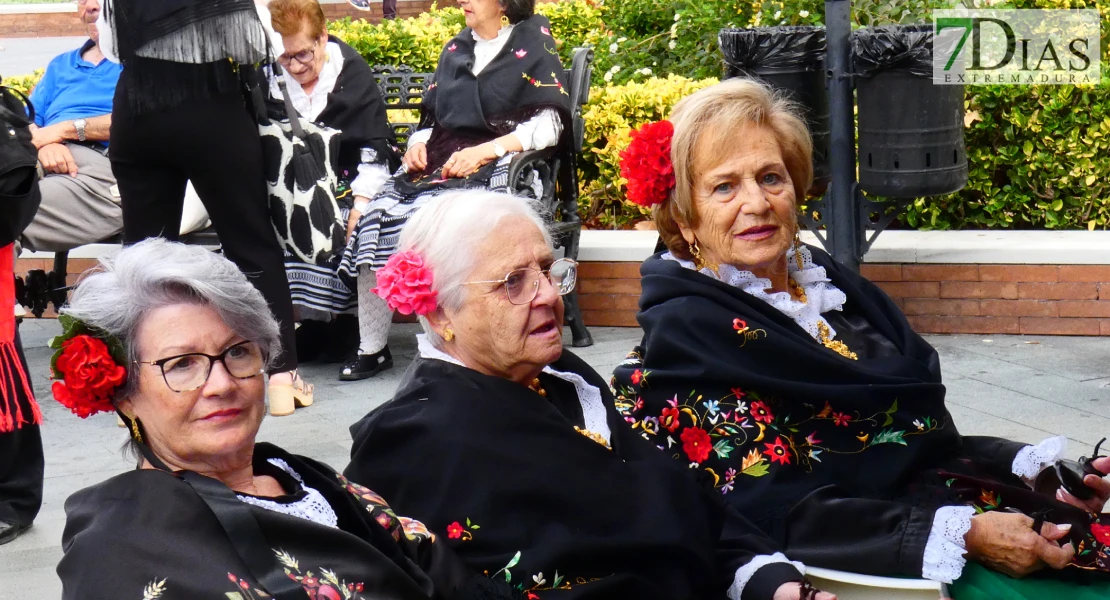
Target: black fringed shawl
174, 51
524, 78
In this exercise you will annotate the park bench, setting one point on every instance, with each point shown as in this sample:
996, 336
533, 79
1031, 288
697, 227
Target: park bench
556, 169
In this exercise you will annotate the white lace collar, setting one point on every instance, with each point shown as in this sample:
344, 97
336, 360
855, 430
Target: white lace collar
593, 410
309, 106
502, 35
821, 295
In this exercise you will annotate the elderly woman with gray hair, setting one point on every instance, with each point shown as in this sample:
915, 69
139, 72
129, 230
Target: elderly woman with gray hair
511, 447
176, 340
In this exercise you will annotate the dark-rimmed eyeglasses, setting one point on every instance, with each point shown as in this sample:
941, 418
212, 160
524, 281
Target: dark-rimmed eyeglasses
304, 57
187, 372
523, 284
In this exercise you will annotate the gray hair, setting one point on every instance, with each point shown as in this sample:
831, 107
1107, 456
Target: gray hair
122, 291
446, 232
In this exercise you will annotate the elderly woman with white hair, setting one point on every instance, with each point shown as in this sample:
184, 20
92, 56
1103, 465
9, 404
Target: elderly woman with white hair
176, 340
511, 447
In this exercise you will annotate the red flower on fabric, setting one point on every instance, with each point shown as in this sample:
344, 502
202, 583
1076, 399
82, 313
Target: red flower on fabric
636, 377
669, 419
696, 444
740, 325
405, 283
646, 164
761, 413
452, 47
841, 419
454, 530
521, 53
739, 393
1101, 533
89, 376
779, 452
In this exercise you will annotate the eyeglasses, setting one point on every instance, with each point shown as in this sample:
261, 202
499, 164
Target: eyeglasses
187, 372
304, 57
522, 285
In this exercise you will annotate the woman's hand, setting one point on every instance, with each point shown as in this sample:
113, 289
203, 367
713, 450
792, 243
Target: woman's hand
1100, 486
416, 158
793, 591
468, 160
1007, 543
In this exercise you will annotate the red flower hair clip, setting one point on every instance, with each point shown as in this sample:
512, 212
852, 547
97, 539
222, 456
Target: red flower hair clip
87, 367
647, 166
405, 283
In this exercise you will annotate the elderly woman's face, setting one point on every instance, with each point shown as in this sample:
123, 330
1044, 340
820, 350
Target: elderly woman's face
219, 419
495, 336
745, 203
481, 13
304, 56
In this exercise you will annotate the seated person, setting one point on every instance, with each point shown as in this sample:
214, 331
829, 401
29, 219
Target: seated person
478, 113
73, 105
175, 339
510, 446
331, 85
798, 389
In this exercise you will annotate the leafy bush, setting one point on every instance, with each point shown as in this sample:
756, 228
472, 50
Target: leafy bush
24, 83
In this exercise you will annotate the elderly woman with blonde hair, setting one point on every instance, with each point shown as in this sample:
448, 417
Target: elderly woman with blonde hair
510, 448
175, 340
798, 389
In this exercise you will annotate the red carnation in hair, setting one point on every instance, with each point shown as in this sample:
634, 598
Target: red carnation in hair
646, 164
88, 376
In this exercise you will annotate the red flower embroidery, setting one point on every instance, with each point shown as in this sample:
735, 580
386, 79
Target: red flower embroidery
740, 325
327, 592
841, 419
739, 393
761, 413
521, 53
405, 283
636, 377
232, 578
454, 530
646, 164
452, 47
669, 419
696, 443
639, 405
778, 451
545, 30
1101, 533
89, 376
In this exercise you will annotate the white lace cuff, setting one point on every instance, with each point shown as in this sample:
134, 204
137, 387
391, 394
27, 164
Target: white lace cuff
944, 551
1031, 459
745, 573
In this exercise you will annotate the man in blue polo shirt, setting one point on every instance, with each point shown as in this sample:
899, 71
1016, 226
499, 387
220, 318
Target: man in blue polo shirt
73, 106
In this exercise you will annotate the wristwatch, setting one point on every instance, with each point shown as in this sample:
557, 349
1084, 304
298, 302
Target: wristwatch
498, 149
79, 125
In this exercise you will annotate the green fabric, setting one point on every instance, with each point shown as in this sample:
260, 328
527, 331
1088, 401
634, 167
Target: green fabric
981, 583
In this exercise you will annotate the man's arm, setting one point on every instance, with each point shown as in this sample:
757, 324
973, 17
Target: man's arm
96, 130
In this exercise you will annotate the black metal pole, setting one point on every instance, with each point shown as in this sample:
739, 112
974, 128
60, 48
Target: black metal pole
843, 224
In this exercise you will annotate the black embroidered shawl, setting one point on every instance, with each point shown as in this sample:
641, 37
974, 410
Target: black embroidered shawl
776, 422
147, 534
500, 472
524, 78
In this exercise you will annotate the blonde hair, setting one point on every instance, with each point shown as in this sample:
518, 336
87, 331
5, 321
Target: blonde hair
290, 17
723, 111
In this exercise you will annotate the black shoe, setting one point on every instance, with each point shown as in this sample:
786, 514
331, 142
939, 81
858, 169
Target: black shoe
10, 531
363, 366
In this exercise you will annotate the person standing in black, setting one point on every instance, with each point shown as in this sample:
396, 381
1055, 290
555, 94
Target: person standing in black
21, 459
180, 115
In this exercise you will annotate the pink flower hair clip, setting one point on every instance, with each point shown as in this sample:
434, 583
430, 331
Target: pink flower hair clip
405, 283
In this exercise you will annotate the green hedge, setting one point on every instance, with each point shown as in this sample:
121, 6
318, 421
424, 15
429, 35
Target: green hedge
1039, 156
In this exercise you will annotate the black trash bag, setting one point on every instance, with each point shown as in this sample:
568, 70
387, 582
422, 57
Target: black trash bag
19, 193
906, 48
767, 50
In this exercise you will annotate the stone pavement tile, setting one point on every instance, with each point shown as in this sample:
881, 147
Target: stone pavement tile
1079, 358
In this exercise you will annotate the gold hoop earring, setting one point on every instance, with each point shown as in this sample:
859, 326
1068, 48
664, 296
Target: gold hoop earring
135, 435
448, 335
504, 21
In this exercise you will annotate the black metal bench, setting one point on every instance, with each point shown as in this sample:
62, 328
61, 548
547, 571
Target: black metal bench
556, 168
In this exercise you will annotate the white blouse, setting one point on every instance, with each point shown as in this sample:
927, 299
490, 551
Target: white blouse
312, 507
541, 131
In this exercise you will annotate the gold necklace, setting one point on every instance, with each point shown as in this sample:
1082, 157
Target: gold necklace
597, 437
835, 345
799, 291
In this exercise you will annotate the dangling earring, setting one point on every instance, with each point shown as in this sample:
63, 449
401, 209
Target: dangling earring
135, 435
798, 247
504, 21
699, 263
448, 335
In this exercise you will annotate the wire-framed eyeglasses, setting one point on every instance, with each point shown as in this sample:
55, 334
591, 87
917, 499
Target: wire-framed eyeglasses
304, 57
521, 285
187, 372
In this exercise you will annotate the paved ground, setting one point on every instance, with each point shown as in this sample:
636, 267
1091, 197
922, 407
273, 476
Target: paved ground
1026, 388
20, 56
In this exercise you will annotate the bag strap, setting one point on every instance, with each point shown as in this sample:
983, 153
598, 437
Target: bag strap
241, 528
290, 112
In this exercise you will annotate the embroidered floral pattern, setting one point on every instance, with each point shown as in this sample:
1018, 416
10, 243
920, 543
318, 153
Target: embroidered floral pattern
380, 511
555, 83
154, 590
745, 434
243, 590
325, 586
539, 582
456, 531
